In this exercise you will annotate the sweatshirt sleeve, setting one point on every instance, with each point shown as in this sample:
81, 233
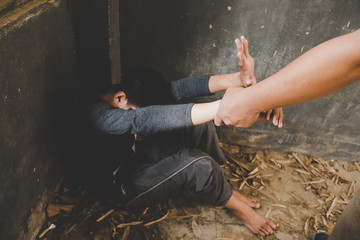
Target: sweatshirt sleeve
141, 120
191, 87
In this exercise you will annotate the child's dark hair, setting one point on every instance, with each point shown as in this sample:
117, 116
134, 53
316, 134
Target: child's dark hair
144, 87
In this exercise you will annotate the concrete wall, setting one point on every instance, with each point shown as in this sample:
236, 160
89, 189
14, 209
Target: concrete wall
37, 80
182, 38
52, 54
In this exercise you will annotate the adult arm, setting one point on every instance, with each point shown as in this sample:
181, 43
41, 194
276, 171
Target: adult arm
321, 71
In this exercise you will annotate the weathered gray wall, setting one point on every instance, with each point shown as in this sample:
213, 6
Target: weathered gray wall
52, 54
175, 37
37, 80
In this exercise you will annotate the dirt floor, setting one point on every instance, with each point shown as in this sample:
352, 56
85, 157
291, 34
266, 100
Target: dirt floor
302, 194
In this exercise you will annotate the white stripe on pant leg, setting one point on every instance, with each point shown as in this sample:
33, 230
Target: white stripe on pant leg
141, 194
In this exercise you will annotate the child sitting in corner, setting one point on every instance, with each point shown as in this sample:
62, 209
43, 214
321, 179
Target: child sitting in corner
165, 149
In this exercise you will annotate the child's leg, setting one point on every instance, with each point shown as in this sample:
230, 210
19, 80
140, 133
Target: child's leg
204, 137
158, 146
188, 170
195, 171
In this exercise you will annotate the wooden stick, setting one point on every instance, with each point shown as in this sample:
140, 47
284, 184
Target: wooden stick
241, 164
351, 191
306, 227
275, 163
234, 180
357, 165
185, 216
52, 226
122, 225
319, 181
242, 184
302, 171
333, 204
278, 205
158, 220
126, 233
105, 215
267, 215
299, 160
285, 161
254, 171
324, 222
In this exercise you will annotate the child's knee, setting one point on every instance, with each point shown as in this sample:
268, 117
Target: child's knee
204, 165
205, 173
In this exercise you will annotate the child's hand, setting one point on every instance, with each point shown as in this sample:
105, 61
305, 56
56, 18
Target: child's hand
277, 117
246, 63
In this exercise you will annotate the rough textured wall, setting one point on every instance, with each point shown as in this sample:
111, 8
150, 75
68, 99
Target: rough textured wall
182, 38
37, 80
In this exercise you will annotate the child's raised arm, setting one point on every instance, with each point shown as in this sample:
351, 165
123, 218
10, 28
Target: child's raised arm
244, 78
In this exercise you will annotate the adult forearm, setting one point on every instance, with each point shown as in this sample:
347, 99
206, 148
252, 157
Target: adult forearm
319, 72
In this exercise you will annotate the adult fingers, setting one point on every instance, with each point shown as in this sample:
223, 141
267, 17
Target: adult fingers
275, 120
268, 114
218, 122
281, 118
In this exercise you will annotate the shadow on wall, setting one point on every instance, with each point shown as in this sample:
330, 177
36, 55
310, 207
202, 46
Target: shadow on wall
93, 154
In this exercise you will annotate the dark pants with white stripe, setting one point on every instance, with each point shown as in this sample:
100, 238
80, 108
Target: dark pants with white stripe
169, 163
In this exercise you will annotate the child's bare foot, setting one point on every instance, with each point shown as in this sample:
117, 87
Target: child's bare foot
250, 201
256, 223
246, 62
